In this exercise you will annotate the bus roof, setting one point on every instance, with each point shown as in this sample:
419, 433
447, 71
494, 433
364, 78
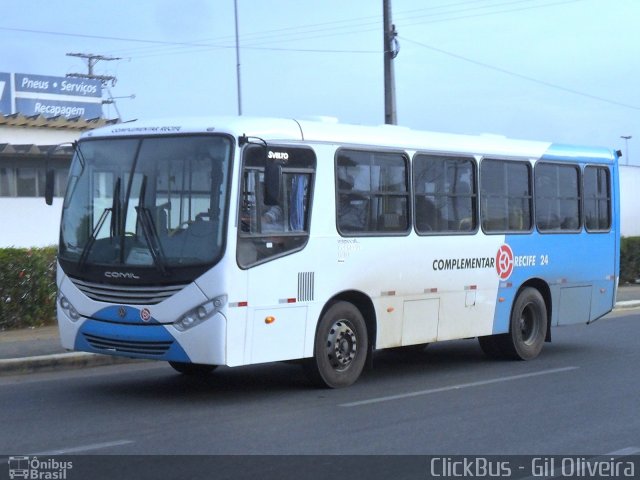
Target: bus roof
330, 131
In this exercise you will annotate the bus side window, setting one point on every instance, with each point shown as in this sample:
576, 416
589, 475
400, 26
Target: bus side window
372, 192
352, 208
445, 194
506, 196
557, 197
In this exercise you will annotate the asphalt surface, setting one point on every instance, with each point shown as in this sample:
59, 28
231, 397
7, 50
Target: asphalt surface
39, 349
580, 396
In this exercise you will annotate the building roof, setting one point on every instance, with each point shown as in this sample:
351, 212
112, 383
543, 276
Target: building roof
33, 150
60, 122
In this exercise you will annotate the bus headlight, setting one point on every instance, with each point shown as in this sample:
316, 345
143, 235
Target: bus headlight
67, 307
201, 313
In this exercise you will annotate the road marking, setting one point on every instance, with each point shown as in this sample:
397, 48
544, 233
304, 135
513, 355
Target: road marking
456, 387
623, 452
82, 448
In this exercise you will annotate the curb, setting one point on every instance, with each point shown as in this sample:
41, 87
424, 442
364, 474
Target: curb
627, 304
59, 361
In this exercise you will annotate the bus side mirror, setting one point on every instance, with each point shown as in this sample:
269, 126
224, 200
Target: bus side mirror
272, 181
48, 188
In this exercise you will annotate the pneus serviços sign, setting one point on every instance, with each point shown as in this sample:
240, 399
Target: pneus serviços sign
48, 96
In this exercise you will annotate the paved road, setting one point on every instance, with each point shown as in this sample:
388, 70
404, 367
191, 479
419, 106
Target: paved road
580, 396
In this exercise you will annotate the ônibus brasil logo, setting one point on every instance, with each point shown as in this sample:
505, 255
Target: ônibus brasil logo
504, 262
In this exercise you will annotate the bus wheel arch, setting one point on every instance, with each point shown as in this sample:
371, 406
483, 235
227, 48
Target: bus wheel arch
345, 334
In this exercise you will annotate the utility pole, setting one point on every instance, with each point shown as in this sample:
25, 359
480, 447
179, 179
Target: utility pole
90, 75
235, 9
390, 52
91, 62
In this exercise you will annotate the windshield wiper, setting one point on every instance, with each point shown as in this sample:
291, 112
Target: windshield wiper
92, 239
116, 210
115, 219
149, 231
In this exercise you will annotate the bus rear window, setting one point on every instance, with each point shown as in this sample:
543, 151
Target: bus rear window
597, 199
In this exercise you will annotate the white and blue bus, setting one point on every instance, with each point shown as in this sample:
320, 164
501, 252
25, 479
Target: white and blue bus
237, 241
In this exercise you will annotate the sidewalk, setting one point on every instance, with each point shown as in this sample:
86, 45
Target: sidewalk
39, 349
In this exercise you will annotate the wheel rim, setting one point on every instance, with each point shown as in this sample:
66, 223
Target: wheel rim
342, 345
529, 324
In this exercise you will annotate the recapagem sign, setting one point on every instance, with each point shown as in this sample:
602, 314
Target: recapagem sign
50, 96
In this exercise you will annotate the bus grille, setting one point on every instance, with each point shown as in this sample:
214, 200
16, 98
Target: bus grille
127, 294
153, 348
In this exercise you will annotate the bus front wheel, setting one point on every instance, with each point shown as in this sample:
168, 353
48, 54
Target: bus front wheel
527, 329
340, 347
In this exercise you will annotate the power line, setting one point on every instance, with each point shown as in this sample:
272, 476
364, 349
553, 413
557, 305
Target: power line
351, 26
498, 12
519, 75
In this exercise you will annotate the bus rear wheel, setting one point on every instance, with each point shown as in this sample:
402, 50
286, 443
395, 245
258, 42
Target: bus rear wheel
340, 347
195, 369
527, 329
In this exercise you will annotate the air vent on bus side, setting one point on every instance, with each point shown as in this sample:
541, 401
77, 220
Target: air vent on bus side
305, 286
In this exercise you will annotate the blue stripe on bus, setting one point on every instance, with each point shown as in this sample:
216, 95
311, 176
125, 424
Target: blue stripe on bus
136, 341
560, 260
574, 153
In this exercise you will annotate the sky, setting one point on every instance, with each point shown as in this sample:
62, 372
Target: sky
565, 71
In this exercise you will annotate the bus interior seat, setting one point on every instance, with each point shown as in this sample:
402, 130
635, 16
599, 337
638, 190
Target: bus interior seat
516, 220
466, 224
392, 221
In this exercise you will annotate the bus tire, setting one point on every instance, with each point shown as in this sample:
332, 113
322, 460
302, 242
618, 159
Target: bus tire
527, 329
194, 369
340, 347
528, 326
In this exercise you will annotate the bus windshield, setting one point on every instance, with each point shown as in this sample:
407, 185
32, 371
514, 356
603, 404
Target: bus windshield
147, 202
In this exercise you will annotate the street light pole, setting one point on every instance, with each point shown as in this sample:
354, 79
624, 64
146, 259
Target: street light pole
626, 145
235, 11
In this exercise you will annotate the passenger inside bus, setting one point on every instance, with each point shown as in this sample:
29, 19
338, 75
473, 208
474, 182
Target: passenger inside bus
272, 219
352, 208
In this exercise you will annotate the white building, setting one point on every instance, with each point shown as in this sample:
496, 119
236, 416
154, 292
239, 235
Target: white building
25, 219
630, 200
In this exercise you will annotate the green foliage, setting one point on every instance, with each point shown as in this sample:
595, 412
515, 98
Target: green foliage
28, 282
629, 259
27, 287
